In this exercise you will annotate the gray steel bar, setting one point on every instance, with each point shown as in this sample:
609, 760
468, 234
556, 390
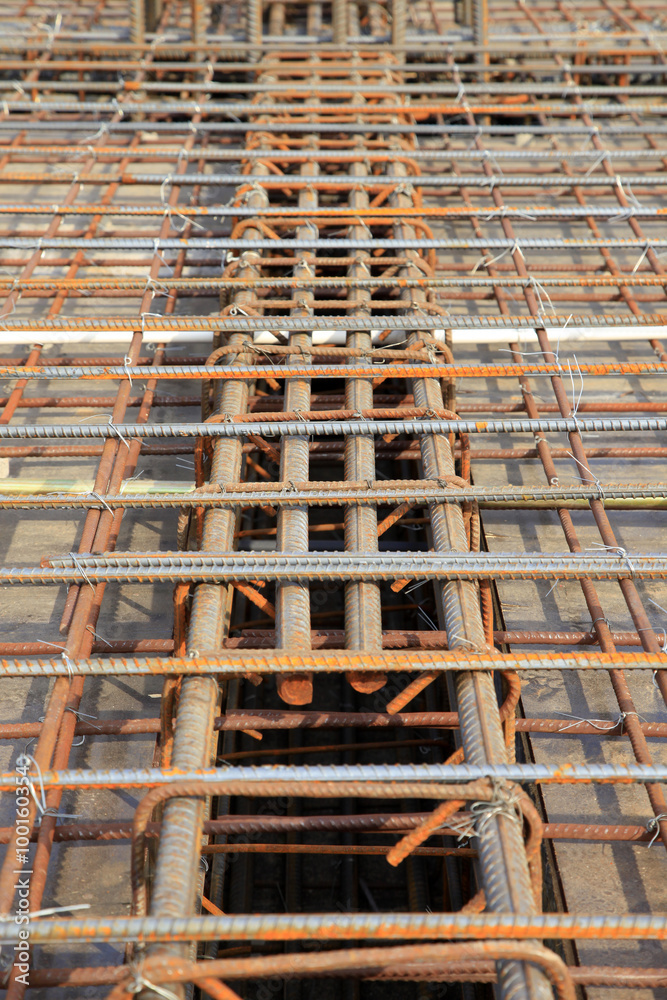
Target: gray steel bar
363, 608
334, 780
206, 324
312, 243
332, 428
535, 68
293, 598
214, 108
502, 858
77, 42
518, 281
339, 22
273, 662
345, 92
338, 495
611, 212
362, 367
253, 9
345, 156
398, 31
340, 926
361, 567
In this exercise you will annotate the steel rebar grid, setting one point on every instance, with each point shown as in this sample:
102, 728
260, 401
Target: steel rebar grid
376, 129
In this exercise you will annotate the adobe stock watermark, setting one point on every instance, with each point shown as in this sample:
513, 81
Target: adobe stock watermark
22, 861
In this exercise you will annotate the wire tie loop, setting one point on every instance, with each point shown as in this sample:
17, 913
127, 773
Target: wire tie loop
593, 481
623, 553
83, 715
40, 801
654, 825
641, 259
89, 628
606, 728
130, 480
127, 361
156, 253
118, 432
540, 290
97, 496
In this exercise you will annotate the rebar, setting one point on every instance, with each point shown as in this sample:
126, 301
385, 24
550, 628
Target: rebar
368, 234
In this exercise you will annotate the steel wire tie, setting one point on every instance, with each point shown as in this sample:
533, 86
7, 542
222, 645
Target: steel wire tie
654, 825
40, 802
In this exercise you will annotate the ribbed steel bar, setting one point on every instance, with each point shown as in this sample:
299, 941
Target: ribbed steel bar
185, 284
363, 611
293, 599
177, 863
343, 181
310, 243
234, 662
152, 323
503, 864
373, 781
406, 367
301, 87
433, 211
332, 428
288, 495
619, 977
345, 927
164, 152
175, 45
296, 127
355, 567
294, 69
318, 187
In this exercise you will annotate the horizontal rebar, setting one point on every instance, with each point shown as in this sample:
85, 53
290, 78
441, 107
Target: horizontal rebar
391, 781
375, 215
346, 127
157, 567
406, 368
242, 662
325, 182
287, 495
227, 243
332, 428
150, 323
196, 153
343, 88
343, 926
212, 282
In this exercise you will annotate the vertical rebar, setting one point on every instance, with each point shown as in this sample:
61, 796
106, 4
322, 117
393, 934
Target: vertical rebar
198, 13
398, 22
339, 21
276, 19
254, 27
480, 22
181, 833
363, 610
293, 599
502, 856
137, 21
